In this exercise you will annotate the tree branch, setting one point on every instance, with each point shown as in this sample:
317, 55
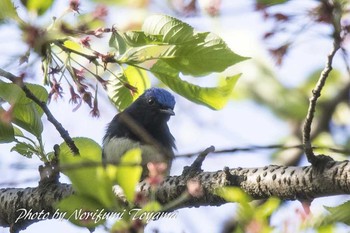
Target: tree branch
64, 133
316, 93
287, 183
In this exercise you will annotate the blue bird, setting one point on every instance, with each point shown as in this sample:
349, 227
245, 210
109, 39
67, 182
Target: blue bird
143, 125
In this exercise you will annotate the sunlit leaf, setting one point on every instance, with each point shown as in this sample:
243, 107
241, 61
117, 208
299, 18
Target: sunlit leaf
85, 171
266, 209
193, 58
81, 210
13, 94
117, 42
212, 97
152, 206
8, 11
38, 6
127, 87
27, 117
233, 194
140, 38
148, 52
193, 51
173, 30
129, 172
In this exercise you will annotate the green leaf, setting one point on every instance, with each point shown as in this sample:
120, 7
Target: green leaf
13, 94
193, 51
152, 206
212, 97
7, 133
127, 87
81, 210
8, 11
24, 149
26, 113
40, 93
117, 41
174, 31
37, 6
18, 132
267, 208
271, 2
339, 213
140, 38
147, 52
86, 173
129, 173
27, 117
193, 58
233, 194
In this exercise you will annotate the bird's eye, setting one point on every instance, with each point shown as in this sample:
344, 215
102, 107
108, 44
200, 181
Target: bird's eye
151, 101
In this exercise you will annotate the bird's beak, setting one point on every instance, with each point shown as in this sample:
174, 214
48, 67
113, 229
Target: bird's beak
168, 111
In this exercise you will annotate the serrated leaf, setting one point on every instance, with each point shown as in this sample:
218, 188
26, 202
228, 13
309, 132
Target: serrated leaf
192, 51
193, 58
117, 42
6, 132
140, 38
123, 95
79, 209
174, 31
27, 117
8, 11
24, 149
13, 94
212, 97
339, 213
37, 6
90, 181
129, 173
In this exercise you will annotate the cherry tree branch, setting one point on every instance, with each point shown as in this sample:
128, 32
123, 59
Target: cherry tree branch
287, 183
316, 93
64, 133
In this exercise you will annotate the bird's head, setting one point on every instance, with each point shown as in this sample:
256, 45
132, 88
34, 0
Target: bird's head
156, 103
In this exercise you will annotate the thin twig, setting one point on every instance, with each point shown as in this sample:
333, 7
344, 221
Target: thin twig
64, 133
316, 93
91, 58
268, 147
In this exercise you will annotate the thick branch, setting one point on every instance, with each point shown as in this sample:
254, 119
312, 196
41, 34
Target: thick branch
36, 199
288, 183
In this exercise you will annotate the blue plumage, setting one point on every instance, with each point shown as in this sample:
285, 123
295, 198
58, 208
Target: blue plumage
150, 113
162, 96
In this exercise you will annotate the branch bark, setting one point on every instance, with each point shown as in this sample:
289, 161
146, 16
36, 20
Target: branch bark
287, 183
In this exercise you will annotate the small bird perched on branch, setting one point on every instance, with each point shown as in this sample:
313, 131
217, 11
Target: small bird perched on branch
143, 125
